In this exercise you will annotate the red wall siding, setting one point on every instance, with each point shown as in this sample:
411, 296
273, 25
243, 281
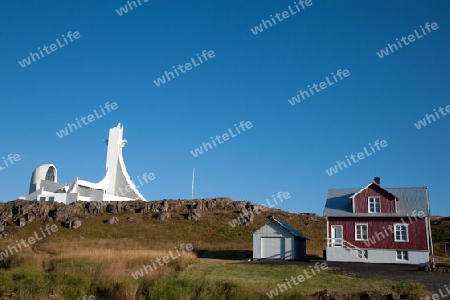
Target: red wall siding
417, 235
361, 201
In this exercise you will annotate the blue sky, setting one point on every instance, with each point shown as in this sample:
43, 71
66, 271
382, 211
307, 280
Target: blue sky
250, 78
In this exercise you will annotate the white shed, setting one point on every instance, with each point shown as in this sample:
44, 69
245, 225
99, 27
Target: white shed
279, 240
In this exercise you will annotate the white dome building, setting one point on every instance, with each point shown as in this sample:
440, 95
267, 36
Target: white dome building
115, 186
45, 172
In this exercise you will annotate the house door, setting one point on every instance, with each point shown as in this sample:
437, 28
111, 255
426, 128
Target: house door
336, 236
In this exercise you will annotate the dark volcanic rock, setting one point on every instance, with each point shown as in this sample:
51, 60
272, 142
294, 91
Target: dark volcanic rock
96, 208
114, 207
60, 212
23, 212
194, 215
20, 221
163, 216
246, 216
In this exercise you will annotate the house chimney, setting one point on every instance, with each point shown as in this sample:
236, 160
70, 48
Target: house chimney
377, 180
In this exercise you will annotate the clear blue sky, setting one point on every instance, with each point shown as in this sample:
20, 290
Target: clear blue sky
250, 78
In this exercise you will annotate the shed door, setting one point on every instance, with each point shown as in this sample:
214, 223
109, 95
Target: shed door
272, 247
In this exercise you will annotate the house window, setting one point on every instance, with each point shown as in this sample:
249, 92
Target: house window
401, 232
42, 198
361, 232
402, 255
51, 199
374, 205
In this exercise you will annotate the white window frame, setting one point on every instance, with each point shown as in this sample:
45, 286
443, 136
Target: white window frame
404, 255
395, 232
379, 204
356, 231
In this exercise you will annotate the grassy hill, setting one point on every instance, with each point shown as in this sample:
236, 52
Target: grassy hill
211, 232
440, 230
99, 258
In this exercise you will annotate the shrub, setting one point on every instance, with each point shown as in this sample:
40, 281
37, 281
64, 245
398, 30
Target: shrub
12, 261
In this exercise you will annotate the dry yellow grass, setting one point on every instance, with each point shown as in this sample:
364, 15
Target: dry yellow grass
116, 260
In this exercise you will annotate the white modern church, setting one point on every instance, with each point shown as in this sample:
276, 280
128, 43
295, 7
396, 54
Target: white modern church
115, 186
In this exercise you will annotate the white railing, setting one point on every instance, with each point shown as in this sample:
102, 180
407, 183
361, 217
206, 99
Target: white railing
346, 245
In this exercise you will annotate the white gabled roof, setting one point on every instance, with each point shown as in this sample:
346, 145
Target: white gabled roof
373, 182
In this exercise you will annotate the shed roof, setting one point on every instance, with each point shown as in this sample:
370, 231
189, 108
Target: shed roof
287, 227
412, 199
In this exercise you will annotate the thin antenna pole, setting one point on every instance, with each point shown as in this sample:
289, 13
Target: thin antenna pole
193, 177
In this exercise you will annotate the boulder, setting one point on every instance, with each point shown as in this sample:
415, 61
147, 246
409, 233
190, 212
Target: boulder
6, 214
64, 212
72, 223
163, 216
224, 202
194, 215
76, 224
21, 222
165, 204
113, 220
29, 218
210, 205
129, 208
114, 207
96, 207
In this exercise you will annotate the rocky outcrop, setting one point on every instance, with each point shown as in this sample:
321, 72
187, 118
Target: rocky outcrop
2, 231
163, 216
194, 215
20, 221
246, 215
5, 213
96, 208
29, 218
66, 211
114, 207
23, 212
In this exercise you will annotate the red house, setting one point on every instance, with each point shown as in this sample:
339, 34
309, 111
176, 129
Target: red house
378, 225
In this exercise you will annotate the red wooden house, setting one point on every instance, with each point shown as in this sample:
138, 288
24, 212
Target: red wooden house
378, 225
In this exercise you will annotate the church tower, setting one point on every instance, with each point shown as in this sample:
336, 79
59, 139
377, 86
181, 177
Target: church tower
118, 181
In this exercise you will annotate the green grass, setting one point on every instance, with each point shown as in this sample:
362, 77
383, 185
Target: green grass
263, 278
208, 279
39, 272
